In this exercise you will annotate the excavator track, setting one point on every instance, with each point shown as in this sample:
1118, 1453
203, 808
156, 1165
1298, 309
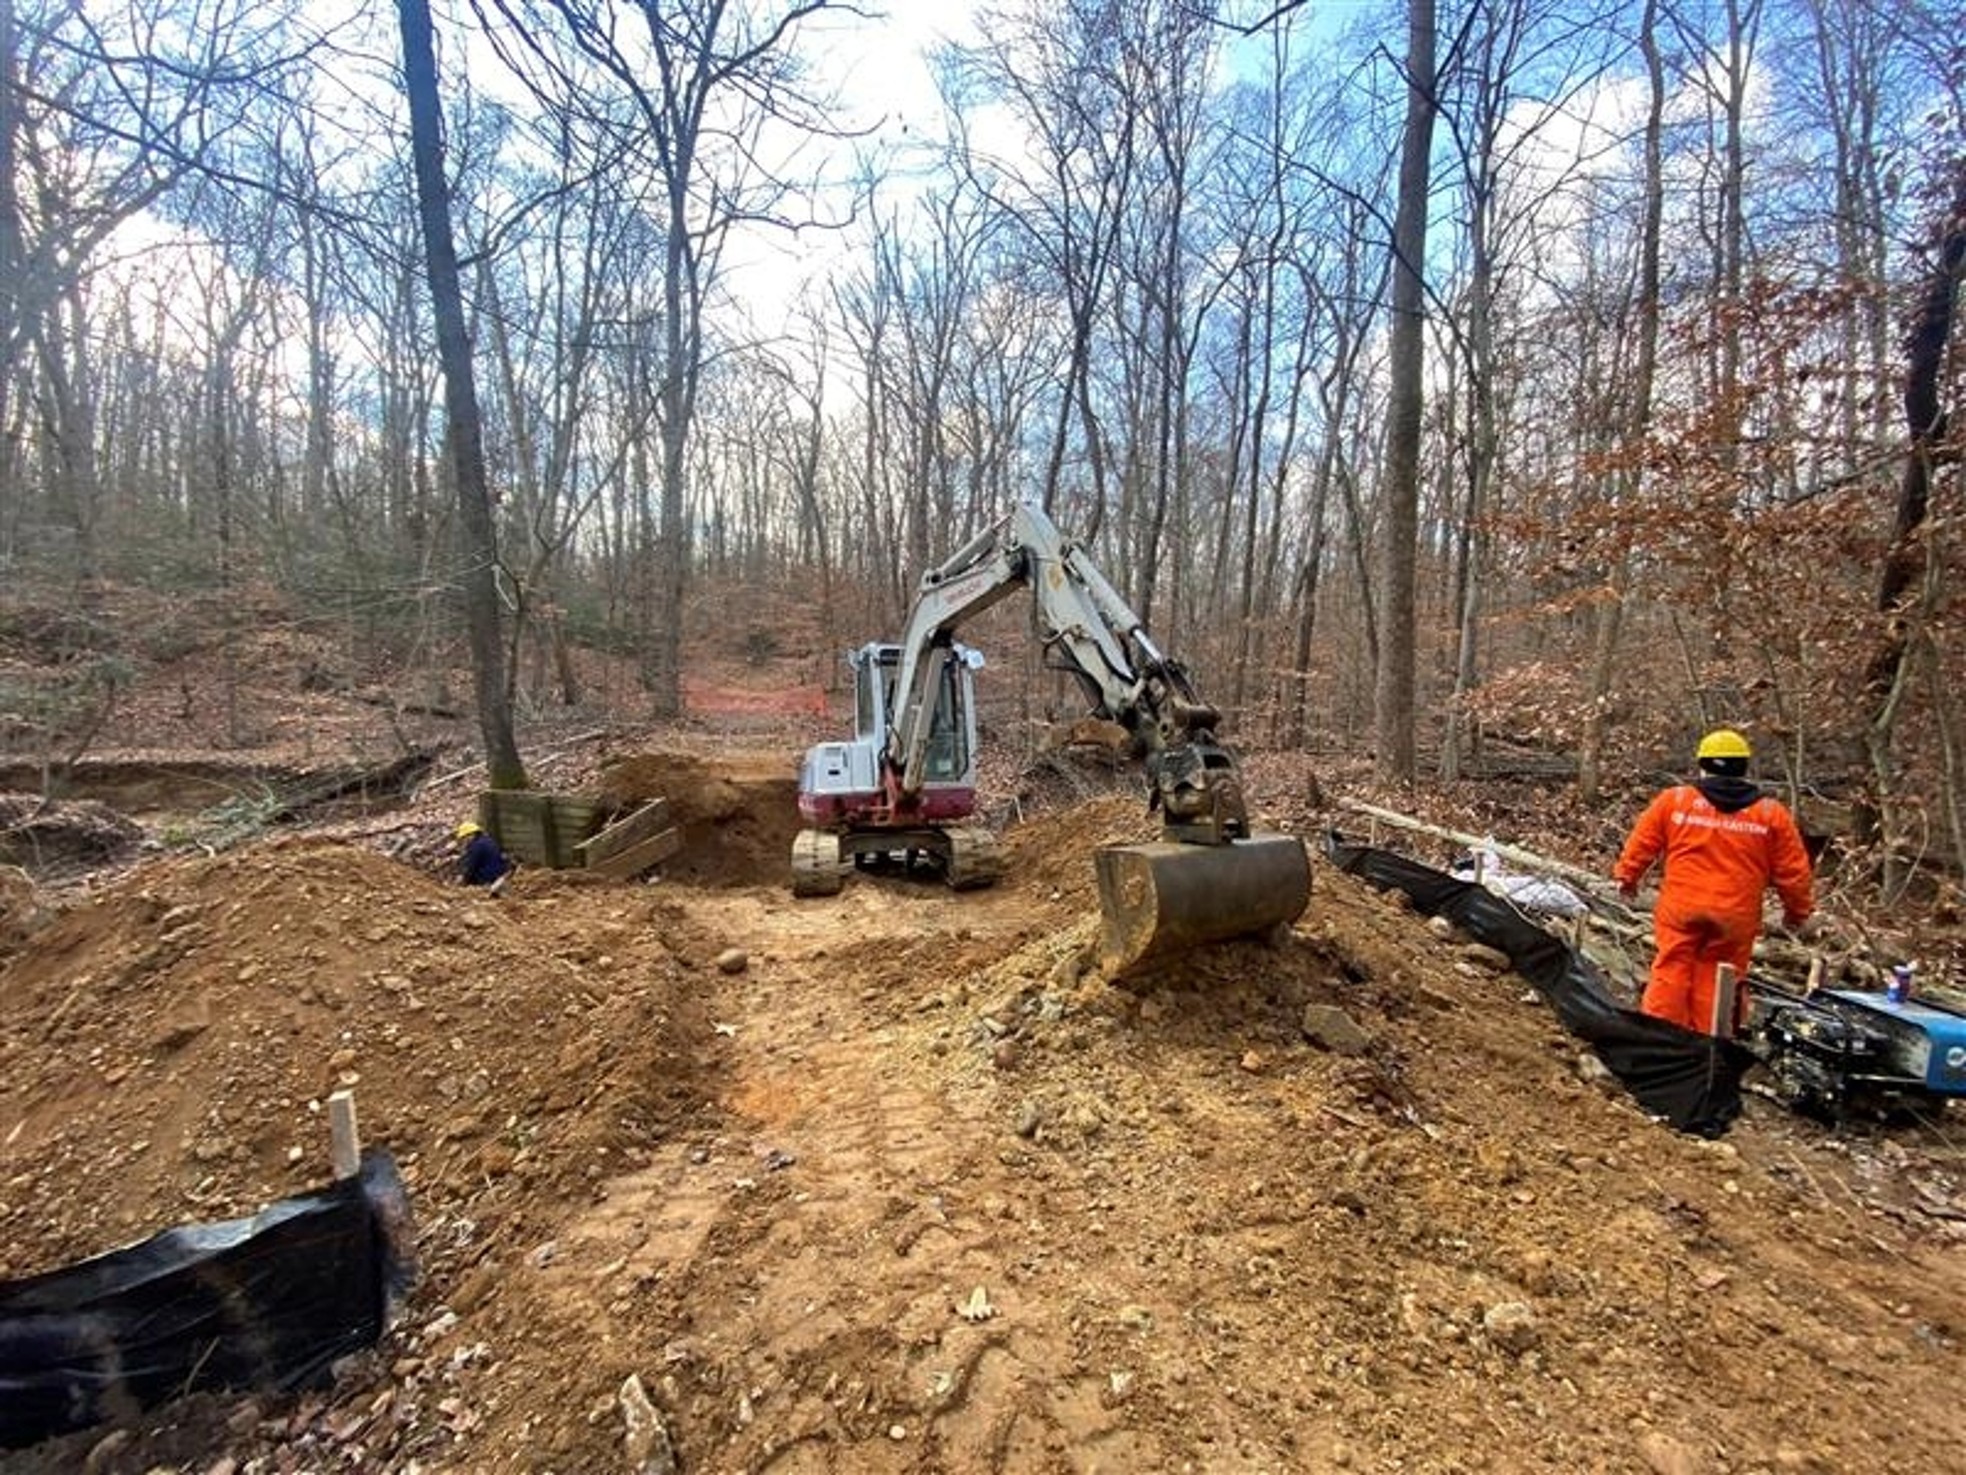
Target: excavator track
973, 858
816, 866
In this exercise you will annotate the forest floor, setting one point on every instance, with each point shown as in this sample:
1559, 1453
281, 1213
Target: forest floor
912, 1187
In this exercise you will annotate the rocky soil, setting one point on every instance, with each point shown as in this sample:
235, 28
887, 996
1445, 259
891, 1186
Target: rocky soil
897, 1181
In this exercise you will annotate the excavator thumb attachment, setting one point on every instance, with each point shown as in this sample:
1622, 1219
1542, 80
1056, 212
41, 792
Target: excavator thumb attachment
1160, 898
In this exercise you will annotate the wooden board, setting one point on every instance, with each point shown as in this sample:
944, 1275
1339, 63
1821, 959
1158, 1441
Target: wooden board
627, 864
345, 1138
623, 834
538, 828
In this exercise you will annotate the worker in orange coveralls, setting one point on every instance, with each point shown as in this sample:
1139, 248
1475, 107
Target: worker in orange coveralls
1724, 843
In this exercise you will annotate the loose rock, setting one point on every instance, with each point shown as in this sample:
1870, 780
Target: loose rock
650, 1450
1511, 1326
1664, 1455
1334, 1029
1494, 960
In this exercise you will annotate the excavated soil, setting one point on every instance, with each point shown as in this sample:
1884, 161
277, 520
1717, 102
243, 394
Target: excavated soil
737, 813
915, 1189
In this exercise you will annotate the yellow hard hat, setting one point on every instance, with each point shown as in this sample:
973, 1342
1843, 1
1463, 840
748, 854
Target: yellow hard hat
469, 828
1724, 742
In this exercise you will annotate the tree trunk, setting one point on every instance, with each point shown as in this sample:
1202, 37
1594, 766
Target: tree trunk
1899, 580
464, 438
1399, 527
1611, 613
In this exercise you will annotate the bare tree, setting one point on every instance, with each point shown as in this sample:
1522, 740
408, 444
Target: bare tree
707, 83
1854, 45
1071, 76
1518, 68
464, 434
99, 118
1903, 596
1608, 623
933, 288
1393, 692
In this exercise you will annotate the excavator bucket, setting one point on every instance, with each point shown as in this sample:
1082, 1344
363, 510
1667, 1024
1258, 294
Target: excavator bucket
1161, 898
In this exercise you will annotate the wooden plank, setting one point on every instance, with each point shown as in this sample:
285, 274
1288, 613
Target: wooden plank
345, 1141
538, 828
513, 827
632, 862
623, 833
549, 835
575, 812
573, 820
517, 825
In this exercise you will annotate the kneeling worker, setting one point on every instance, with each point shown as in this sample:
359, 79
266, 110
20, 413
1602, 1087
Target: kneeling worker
1724, 843
481, 862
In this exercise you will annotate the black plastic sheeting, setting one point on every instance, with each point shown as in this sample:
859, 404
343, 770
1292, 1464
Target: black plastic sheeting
269, 1301
1692, 1080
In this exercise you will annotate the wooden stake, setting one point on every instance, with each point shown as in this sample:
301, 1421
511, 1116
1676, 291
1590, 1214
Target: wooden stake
346, 1143
1726, 988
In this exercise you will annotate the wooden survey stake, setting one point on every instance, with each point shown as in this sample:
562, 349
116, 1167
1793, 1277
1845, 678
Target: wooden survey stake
1726, 988
345, 1141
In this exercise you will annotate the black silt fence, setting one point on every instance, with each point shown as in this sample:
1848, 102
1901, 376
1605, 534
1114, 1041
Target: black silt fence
269, 1301
1693, 1080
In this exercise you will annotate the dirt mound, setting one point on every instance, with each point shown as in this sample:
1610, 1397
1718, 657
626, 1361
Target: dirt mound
1052, 853
172, 1042
738, 813
895, 1181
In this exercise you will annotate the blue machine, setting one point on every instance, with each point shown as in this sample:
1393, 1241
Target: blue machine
1844, 1051
1927, 1043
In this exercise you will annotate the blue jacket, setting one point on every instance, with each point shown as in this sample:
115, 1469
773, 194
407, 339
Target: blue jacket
482, 862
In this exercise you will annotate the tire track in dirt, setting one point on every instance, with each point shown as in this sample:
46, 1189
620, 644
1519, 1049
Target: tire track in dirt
819, 1253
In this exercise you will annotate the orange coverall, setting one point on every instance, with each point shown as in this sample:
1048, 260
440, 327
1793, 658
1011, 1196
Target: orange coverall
1724, 844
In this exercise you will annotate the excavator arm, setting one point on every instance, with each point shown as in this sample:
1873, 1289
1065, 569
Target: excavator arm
1093, 635
1208, 877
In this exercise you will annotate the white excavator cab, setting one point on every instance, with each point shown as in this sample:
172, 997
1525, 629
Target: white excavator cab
949, 756
850, 796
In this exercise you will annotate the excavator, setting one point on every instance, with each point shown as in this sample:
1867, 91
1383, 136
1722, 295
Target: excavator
906, 782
